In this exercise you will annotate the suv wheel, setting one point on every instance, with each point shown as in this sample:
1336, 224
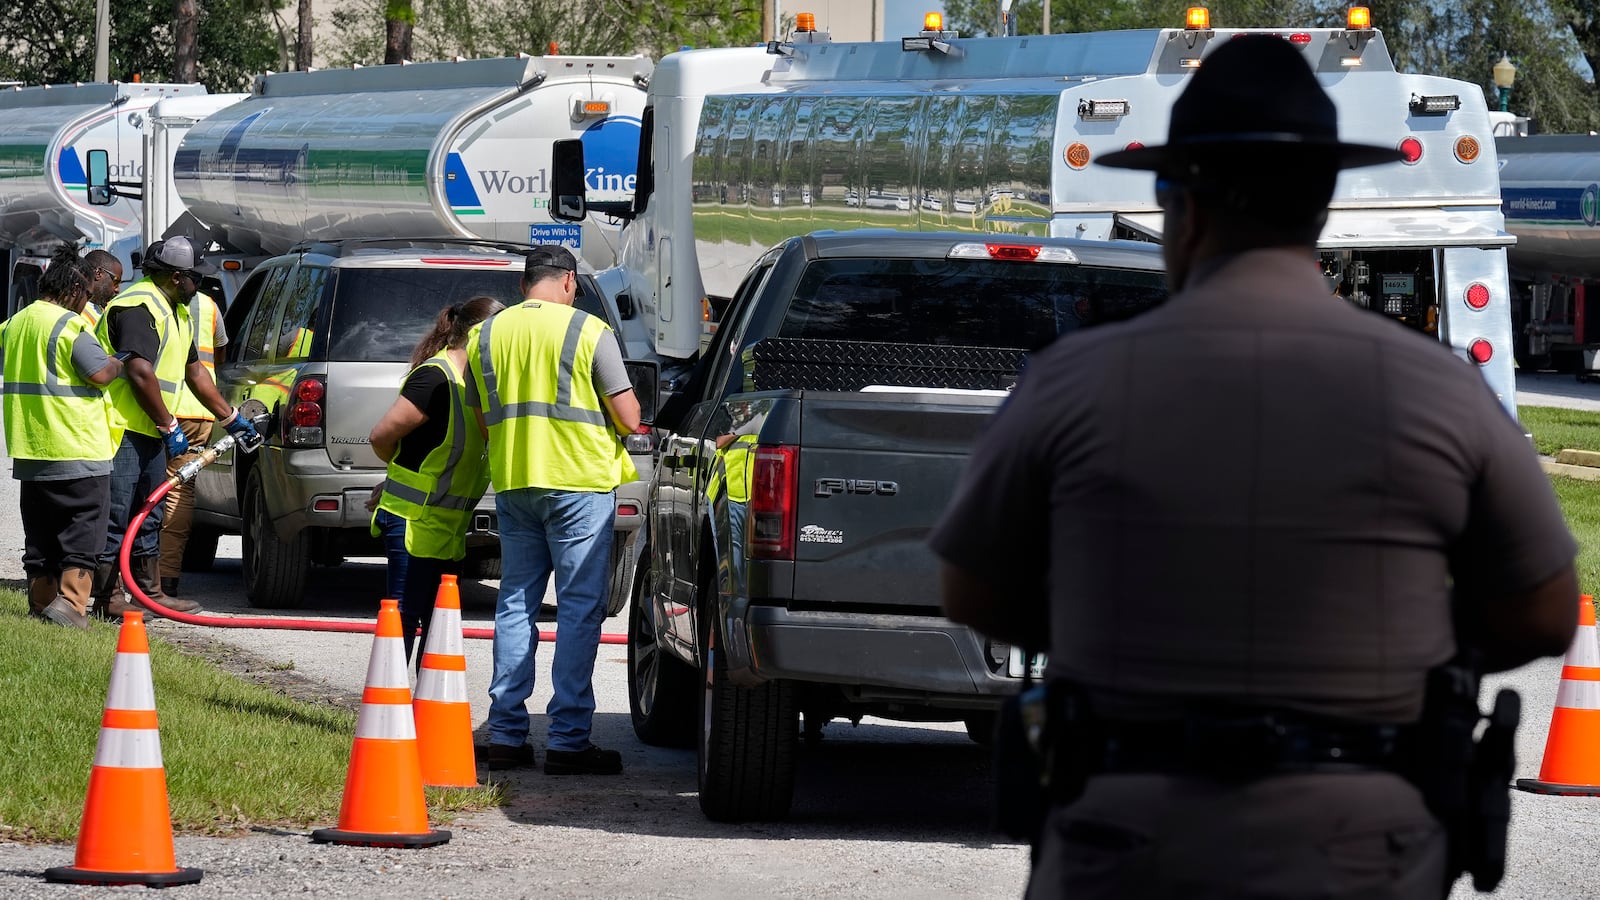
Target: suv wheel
274, 570
201, 549
624, 567
747, 742
660, 686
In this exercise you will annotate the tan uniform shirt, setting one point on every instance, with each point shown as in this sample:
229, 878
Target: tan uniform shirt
1255, 493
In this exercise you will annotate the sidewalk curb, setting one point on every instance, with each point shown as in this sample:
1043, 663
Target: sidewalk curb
1583, 473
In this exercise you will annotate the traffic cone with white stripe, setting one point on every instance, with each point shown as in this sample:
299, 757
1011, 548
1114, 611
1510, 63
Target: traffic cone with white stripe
1572, 749
126, 833
444, 716
383, 803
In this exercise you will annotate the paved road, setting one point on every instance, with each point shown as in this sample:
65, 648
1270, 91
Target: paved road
1550, 389
882, 810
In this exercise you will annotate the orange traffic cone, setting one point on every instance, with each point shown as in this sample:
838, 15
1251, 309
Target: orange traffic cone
126, 834
444, 717
383, 804
1572, 749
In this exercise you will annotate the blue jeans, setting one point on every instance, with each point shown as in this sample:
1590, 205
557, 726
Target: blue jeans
567, 533
413, 580
137, 469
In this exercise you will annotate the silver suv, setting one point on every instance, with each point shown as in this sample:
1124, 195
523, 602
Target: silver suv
323, 336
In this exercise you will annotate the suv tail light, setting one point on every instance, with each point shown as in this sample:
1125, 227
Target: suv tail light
774, 481
303, 419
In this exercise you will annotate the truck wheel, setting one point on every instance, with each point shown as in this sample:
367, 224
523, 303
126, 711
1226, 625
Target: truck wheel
661, 687
482, 566
274, 570
201, 550
624, 566
746, 746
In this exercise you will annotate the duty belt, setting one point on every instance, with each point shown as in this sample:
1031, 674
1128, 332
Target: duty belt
1244, 747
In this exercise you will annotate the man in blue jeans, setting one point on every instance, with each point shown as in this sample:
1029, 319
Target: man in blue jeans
551, 391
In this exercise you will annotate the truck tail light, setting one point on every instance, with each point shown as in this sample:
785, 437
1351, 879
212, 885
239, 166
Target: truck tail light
774, 487
302, 425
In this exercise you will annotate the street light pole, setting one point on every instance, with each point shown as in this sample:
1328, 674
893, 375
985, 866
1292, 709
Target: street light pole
1505, 75
102, 40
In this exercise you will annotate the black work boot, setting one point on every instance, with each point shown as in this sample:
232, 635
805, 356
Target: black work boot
147, 575
589, 761
109, 601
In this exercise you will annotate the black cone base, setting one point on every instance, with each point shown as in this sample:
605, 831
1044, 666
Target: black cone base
1534, 785
363, 839
74, 875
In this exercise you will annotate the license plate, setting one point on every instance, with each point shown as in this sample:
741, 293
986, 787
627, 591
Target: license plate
1035, 664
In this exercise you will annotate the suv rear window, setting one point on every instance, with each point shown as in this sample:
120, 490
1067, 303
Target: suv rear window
965, 302
380, 314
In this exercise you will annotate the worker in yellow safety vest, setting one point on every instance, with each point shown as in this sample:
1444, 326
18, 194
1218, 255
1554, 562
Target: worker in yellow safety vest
150, 322
437, 468
196, 422
61, 435
105, 279
550, 387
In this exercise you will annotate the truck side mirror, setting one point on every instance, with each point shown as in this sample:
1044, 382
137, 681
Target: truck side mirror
99, 178
646, 378
568, 201
625, 306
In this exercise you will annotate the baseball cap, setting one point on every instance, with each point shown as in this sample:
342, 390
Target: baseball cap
552, 255
179, 254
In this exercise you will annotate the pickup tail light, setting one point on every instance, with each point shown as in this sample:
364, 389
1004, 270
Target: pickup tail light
774, 487
305, 414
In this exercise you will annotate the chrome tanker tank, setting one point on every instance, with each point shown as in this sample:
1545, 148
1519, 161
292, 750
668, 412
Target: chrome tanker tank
456, 149
46, 133
1550, 192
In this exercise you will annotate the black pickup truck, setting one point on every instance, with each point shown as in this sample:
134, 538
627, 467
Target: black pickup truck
814, 447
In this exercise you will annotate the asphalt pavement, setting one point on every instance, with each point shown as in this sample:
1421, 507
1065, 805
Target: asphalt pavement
882, 810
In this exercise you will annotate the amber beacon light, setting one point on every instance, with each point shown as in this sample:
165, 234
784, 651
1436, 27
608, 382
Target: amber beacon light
805, 22
1198, 18
1359, 18
933, 21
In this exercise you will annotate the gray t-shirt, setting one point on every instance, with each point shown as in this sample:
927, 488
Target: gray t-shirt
88, 357
1255, 493
607, 370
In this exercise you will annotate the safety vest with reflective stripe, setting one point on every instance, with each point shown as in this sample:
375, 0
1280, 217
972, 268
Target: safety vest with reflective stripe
437, 500
52, 412
203, 313
175, 332
532, 365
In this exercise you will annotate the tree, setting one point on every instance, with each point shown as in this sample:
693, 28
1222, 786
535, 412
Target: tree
185, 30
52, 41
302, 44
399, 19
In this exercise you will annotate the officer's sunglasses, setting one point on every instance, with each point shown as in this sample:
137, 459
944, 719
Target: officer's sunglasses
102, 269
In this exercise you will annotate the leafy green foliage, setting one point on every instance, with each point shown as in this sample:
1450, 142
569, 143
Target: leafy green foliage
479, 28
52, 41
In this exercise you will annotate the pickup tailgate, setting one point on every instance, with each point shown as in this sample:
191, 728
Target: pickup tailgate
876, 470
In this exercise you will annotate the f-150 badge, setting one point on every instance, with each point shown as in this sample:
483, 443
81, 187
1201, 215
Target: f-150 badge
827, 487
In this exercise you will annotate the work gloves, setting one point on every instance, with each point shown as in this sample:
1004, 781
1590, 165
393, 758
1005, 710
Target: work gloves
241, 428
176, 442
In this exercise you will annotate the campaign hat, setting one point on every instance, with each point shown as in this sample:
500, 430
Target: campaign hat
1252, 97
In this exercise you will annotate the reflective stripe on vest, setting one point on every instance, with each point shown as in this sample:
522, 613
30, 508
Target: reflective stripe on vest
176, 334
438, 498
533, 365
52, 412
203, 314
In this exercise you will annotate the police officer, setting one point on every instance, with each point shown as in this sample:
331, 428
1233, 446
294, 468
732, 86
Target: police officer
1250, 522
196, 422
59, 433
150, 322
550, 385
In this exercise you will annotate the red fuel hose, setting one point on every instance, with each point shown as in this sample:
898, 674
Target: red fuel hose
132, 587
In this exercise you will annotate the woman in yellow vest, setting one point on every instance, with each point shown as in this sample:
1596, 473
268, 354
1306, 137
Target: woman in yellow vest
437, 468
61, 436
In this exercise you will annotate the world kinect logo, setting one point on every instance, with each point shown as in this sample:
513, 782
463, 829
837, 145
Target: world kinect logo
1589, 203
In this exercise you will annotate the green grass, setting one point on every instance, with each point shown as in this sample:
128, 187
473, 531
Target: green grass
1580, 501
236, 754
1556, 429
